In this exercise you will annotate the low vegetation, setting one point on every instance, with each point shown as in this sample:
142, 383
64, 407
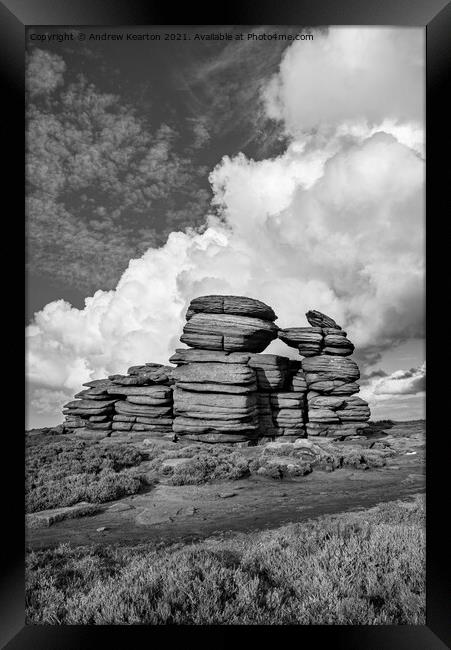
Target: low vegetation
222, 462
62, 471
356, 568
66, 471
206, 462
207, 467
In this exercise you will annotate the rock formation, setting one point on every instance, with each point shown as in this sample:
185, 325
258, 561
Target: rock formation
218, 383
223, 389
92, 409
140, 401
333, 409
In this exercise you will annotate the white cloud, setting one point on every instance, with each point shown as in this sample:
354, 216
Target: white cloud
337, 246
399, 395
338, 242
44, 400
402, 382
350, 73
334, 224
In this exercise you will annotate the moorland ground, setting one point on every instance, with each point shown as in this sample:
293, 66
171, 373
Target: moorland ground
185, 534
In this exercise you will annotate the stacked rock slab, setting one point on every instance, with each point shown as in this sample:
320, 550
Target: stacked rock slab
216, 383
90, 414
214, 396
229, 323
333, 408
144, 401
140, 401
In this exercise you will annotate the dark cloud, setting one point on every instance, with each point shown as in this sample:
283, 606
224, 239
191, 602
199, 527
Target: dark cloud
225, 88
107, 180
366, 377
44, 72
102, 186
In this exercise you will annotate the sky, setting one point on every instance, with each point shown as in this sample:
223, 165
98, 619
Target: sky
288, 171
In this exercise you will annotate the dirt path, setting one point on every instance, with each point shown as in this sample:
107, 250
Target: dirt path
170, 514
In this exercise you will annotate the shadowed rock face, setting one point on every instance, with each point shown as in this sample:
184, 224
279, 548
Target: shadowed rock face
271, 371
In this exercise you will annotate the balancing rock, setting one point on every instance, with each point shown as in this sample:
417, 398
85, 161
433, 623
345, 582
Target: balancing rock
228, 332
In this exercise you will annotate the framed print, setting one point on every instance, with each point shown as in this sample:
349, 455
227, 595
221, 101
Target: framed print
230, 240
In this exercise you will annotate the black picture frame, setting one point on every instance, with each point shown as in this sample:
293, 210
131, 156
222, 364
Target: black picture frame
435, 16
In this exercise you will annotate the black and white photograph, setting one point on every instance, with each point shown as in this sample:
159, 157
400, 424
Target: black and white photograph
225, 327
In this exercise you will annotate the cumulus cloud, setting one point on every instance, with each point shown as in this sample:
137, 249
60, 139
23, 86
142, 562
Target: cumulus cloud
337, 241
322, 226
296, 249
348, 74
402, 382
401, 393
